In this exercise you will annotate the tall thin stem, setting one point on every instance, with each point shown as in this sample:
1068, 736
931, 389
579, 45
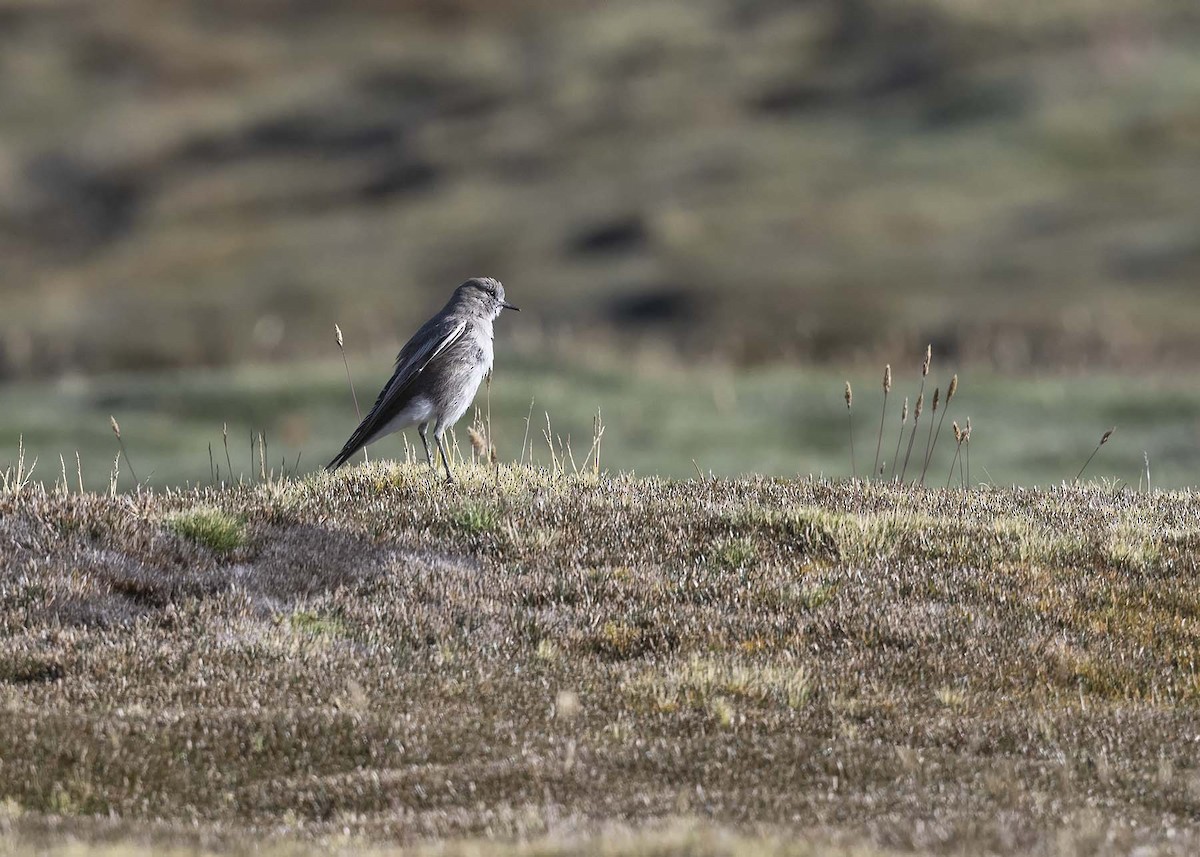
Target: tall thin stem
900, 437
887, 388
345, 362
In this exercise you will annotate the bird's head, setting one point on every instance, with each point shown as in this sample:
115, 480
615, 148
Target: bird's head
485, 294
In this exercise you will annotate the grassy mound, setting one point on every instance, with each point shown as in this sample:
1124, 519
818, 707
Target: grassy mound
380, 655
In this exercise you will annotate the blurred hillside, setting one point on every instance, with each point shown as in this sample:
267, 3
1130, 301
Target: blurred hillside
213, 181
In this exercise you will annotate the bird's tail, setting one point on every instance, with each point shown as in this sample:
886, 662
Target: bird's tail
362, 436
342, 457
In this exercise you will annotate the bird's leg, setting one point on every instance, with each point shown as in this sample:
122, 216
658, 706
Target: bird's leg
421, 429
437, 435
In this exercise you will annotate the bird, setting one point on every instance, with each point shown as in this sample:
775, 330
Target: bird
437, 373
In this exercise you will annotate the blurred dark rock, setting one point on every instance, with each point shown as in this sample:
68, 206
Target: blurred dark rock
413, 92
1165, 258
399, 177
619, 235
655, 306
74, 207
790, 97
314, 132
960, 103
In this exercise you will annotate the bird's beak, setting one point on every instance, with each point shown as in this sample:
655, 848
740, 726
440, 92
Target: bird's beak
510, 306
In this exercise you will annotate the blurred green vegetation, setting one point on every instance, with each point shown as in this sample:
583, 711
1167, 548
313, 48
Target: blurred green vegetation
658, 417
191, 194
194, 183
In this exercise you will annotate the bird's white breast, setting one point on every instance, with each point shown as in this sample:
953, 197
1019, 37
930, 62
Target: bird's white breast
483, 335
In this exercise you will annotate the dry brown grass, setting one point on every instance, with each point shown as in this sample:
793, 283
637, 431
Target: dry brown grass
382, 655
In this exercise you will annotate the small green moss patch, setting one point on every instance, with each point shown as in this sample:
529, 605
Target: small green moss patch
213, 528
476, 518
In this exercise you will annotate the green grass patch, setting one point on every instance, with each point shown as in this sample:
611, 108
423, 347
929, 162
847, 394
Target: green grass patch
476, 518
316, 625
213, 528
736, 552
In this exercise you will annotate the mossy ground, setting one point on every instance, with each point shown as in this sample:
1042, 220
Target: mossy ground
932, 670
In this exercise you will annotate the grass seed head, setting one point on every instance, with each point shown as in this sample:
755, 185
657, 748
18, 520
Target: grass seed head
952, 390
338, 332
928, 360
849, 396
920, 406
115, 426
1107, 435
937, 395
904, 412
477, 442
957, 431
887, 378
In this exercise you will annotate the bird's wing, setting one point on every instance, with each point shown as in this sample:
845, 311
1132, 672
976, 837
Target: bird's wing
434, 337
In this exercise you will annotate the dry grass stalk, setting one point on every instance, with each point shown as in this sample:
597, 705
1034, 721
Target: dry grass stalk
66, 488
887, 388
525, 440
262, 456
228, 461
570, 456
478, 444
593, 455
212, 470
949, 397
967, 454
849, 397
599, 430
79, 470
345, 362
548, 434
493, 458
477, 438
117, 431
900, 437
950, 393
925, 364
937, 395
113, 475
913, 434
1103, 440
958, 442
16, 480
